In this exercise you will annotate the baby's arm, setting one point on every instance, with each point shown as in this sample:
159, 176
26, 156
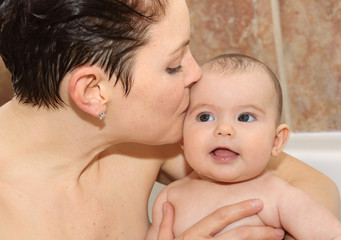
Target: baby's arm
304, 218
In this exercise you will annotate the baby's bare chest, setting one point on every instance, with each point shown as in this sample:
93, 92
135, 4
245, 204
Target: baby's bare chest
196, 201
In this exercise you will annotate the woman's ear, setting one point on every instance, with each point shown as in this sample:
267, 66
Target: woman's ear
281, 138
87, 89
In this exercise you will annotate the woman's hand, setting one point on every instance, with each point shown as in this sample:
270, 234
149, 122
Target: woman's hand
218, 220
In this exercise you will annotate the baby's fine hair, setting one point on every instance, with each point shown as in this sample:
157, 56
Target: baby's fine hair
43, 40
238, 62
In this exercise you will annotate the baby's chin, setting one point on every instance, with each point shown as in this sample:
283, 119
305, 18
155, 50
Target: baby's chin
223, 178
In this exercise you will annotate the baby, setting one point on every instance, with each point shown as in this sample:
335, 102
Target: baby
231, 130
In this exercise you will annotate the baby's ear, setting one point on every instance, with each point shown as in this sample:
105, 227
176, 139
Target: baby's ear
281, 138
87, 89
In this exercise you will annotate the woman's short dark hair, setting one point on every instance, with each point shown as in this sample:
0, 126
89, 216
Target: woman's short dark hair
42, 40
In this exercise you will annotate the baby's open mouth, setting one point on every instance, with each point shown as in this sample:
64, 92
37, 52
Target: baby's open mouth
223, 154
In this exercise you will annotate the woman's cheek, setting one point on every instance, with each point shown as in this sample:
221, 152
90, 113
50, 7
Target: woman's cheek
173, 100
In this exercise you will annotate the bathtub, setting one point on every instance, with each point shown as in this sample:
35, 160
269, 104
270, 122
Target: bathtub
320, 150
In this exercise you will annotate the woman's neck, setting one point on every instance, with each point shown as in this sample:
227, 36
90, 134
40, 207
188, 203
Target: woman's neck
56, 143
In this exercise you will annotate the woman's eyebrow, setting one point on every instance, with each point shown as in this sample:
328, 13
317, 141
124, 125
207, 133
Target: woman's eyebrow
182, 45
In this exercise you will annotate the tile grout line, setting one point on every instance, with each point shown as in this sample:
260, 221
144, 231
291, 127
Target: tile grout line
280, 59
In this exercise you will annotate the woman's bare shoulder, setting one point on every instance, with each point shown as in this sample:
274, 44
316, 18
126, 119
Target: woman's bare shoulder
308, 179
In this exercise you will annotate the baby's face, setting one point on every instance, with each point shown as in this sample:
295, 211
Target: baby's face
230, 125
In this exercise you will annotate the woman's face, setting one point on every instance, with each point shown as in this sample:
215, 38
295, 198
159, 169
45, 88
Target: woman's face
163, 71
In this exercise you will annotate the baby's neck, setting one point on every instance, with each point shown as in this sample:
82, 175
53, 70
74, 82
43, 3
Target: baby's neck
199, 177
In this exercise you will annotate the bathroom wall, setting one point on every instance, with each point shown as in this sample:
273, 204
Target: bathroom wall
299, 39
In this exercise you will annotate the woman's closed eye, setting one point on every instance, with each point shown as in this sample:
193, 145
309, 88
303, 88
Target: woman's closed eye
174, 70
246, 117
205, 117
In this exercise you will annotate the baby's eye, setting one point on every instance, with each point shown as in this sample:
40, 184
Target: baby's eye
245, 117
205, 117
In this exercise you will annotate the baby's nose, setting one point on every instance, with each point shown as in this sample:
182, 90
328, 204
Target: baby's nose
225, 129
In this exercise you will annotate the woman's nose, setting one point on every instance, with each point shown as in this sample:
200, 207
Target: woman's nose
195, 74
225, 129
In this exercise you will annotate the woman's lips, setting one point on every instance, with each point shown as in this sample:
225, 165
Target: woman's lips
186, 105
223, 155
185, 111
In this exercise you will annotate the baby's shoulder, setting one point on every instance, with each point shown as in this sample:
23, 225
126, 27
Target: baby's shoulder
180, 184
269, 183
187, 186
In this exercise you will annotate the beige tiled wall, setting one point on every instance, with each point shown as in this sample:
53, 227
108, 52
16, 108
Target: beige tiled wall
312, 51
299, 39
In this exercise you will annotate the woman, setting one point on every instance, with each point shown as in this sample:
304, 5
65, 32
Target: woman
96, 82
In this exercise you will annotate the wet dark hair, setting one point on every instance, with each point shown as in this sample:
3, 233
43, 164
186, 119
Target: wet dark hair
239, 62
42, 40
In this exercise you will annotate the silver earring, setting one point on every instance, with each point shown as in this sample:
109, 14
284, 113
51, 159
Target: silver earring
102, 115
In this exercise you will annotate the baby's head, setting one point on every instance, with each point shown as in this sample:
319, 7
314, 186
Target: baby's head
233, 123
238, 63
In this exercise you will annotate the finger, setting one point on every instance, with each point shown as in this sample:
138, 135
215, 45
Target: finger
253, 233
166, 225
219, 219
